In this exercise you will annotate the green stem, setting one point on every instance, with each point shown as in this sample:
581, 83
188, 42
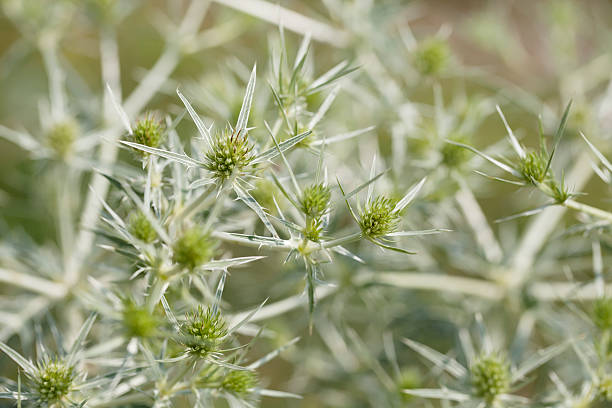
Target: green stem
195, 204
587, 209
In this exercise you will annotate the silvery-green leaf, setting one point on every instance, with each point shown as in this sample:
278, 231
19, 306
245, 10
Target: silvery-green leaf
446, 363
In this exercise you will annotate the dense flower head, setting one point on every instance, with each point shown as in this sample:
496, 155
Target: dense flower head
239, 381
61, 137
490, 376
230, 153
137, 320
193, 248
379, 217
140, 227
315, 200
432, 56
533, 167
53, 381
148, 132
203, 331
452, 155
602, 313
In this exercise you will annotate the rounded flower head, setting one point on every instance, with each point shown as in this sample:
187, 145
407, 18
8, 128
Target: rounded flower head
490, 376
454, 156
193, 248
229, 154
53, 381
533, 167
61, 137
239, 381
379, 217
432, 56
148, 132
602, 313
315, 200
140, 227
203, 331
138, 321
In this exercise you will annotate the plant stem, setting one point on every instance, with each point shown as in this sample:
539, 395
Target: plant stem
587, 209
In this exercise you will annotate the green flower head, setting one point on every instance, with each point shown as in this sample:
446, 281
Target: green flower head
148, 132
138, 321
315, 200
140, 227
230, 153
454, 156
432, 56
61, 137
239, 382
379, 217
53, 381
533, 167
193, 248
490, 376
203, 331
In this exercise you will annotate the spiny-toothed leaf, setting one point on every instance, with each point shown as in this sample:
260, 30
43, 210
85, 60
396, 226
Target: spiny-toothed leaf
539, 358
270, 356
284, 146
341, 137
27, 366
248, 199
558, 135
597, 153
446, 363
527, 213
485, 156
181, 158
243, 117
80, 339
442, 394
202, 129
410, 195
513, 140
229, 263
